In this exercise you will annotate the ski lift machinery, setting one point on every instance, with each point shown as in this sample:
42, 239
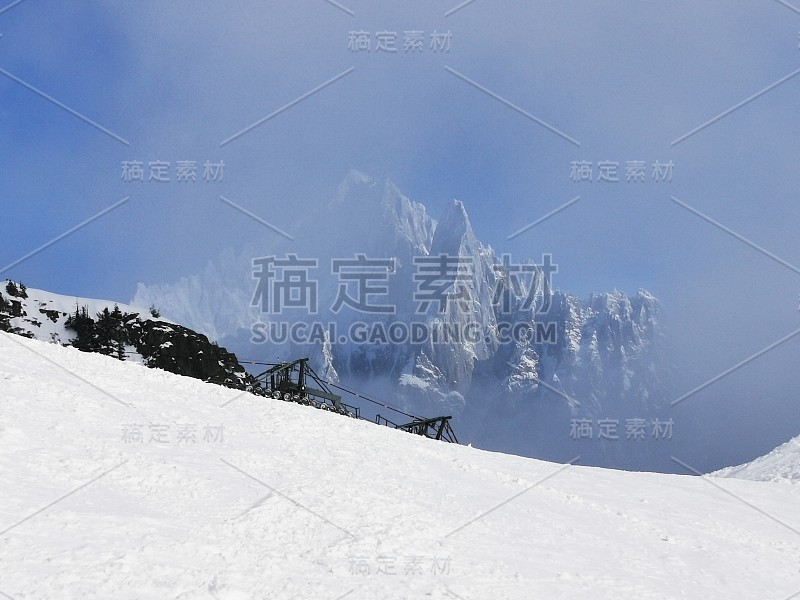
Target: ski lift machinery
289, 381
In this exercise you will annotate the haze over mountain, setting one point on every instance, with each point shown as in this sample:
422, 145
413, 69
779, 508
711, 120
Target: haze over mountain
600, 359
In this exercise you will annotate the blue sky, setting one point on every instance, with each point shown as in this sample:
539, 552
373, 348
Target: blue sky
623, 78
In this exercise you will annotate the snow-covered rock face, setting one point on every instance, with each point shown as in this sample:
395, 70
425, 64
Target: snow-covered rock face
599, 357
610, 355
370, 217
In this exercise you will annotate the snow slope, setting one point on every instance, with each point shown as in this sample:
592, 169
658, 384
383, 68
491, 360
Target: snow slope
281, 501
782, 464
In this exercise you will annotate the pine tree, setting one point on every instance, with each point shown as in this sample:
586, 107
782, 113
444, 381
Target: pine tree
104, 331
119, 337
85, 331
5, 319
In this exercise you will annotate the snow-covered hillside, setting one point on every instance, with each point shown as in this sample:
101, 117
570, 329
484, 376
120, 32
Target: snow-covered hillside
126, 332
782, 464
43, 314
123, 482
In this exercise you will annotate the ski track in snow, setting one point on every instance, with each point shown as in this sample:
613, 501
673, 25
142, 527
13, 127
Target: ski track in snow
292, 502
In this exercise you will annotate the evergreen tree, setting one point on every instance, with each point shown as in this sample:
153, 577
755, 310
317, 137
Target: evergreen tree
104, 332
106, 335
5, 319
120, 337
85, 331
110, 332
